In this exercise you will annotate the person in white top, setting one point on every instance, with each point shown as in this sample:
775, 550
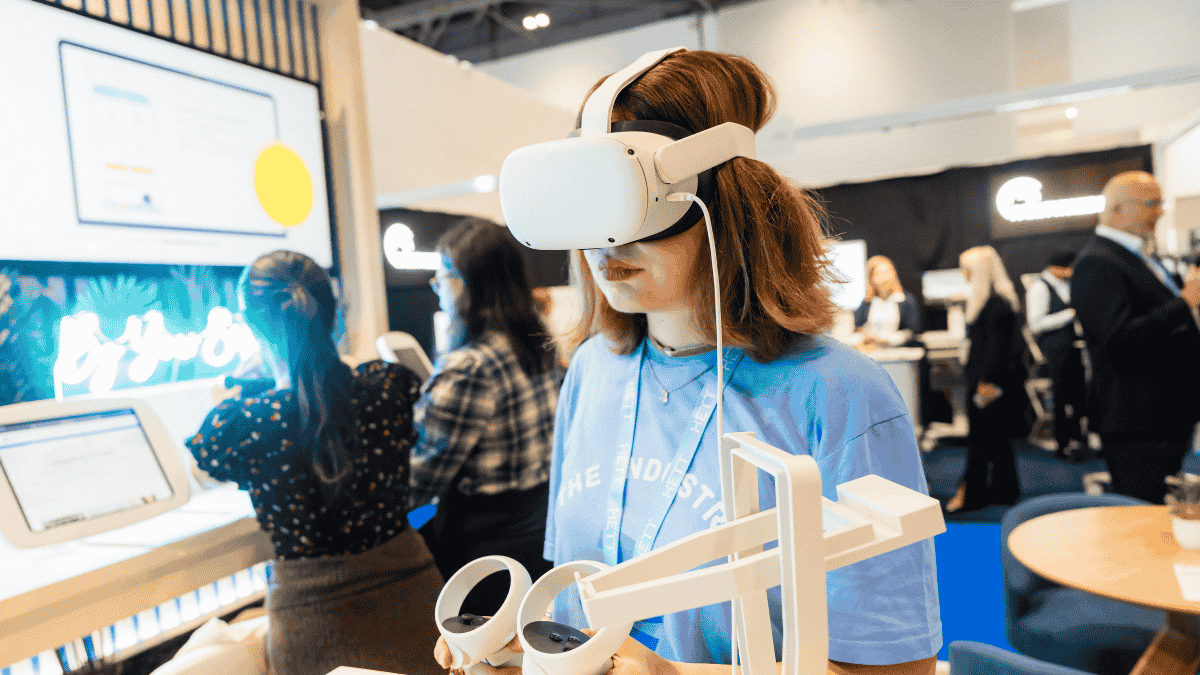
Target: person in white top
887, 317
1052, 321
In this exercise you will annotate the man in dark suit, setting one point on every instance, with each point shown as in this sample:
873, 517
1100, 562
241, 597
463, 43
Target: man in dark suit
1143, 341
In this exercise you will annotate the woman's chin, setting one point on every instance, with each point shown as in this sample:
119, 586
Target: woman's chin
623, 301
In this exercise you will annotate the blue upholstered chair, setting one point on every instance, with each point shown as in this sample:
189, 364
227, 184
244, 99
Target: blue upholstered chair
1066, 626
975, 658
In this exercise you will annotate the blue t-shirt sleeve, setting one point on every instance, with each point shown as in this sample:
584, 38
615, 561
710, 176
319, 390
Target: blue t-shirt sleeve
883, 610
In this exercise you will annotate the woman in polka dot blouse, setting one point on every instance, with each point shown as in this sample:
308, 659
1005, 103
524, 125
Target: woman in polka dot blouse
325, 458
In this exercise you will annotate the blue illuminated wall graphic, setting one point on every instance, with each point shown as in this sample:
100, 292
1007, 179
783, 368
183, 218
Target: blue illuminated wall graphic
124, 333
90, 335
29, 314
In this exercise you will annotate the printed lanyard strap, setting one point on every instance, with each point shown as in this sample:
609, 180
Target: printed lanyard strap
689, 445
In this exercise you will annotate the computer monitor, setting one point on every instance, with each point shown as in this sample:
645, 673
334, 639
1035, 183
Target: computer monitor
944, 286
402, 348
849, 258
74, 469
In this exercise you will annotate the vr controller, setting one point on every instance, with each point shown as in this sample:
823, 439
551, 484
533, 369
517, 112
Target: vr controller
551, 648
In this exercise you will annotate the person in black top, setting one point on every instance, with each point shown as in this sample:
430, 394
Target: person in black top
1052, 321
325, 458
1142, 339
995, 378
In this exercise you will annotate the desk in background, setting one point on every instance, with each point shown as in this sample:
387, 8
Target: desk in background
902, 364
55, 595
946, 352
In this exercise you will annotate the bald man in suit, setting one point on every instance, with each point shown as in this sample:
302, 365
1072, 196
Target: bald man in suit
1142, 336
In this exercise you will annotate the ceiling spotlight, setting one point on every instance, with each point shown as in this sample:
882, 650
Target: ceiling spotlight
1071, 113
543, 19
371, 24
530, 23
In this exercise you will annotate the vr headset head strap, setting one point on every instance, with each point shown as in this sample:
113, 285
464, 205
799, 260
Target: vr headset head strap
597, 112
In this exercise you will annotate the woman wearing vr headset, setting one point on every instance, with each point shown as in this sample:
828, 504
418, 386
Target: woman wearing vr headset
324, 456
486, 415
634, 403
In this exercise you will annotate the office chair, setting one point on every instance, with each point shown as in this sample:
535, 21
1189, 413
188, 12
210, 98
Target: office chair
1067, 626
976, 658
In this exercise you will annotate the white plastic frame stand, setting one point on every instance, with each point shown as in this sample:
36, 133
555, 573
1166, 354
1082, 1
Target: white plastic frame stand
872, 516
486, 643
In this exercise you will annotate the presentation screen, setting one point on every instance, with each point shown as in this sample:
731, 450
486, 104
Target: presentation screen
74, 469
849, 259
121, 147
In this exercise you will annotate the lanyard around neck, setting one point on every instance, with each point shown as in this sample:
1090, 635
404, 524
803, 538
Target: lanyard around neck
689, 445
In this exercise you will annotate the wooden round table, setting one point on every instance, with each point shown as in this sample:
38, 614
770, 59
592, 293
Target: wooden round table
1126, 553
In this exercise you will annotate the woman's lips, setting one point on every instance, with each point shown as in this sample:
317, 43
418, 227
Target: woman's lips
614, 270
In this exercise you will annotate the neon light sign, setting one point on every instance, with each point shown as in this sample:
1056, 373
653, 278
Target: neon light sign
400, 249
85, 355
1020, 200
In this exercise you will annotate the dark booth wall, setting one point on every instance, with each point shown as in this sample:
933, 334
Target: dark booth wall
924, 222
412, 303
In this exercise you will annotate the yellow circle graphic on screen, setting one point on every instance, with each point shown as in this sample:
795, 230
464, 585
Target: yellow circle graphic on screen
283, 185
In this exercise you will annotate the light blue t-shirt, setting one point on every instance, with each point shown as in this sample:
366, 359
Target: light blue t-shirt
821, 398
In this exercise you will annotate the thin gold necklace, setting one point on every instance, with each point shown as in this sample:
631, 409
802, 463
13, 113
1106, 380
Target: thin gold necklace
666, 394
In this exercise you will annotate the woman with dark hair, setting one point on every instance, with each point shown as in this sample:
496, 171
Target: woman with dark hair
642, 384
486, 415
995, 381
324, 456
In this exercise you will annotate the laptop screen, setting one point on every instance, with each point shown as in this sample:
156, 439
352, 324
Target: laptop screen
73, 469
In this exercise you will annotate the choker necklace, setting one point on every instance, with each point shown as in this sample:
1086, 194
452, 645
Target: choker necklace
689, 350
666, 394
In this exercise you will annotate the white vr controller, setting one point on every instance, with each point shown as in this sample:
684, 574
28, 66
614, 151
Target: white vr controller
474, 639
550, 648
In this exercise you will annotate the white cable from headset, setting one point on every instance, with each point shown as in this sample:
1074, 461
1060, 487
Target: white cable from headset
712, 250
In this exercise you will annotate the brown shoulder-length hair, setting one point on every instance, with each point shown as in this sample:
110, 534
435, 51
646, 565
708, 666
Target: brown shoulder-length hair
771, 254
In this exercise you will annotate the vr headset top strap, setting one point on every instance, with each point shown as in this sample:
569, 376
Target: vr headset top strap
597, 112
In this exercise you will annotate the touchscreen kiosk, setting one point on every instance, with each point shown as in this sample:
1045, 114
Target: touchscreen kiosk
402, 348
74, 469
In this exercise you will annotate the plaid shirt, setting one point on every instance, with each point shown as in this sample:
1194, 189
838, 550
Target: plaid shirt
481, 415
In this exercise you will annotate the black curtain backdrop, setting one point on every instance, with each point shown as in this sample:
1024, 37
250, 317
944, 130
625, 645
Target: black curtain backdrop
412, 303
924, 222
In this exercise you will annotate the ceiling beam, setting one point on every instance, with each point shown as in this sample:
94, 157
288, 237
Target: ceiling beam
559, 33
513, 26
426, 11
605, 3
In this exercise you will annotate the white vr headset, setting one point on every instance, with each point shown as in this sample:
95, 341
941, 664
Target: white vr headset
609, 187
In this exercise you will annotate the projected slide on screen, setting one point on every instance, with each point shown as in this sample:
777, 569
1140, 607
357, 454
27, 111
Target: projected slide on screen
120, 147
153, 147
65, 471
